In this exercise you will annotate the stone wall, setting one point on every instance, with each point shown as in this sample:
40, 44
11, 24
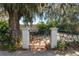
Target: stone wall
67, 37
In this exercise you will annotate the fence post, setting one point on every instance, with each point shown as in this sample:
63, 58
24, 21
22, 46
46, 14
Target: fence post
53, 37
25, 38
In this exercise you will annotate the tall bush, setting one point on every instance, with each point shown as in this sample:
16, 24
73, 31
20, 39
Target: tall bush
5, 40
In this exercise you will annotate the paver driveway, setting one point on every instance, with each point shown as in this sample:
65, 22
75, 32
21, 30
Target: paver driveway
43, 53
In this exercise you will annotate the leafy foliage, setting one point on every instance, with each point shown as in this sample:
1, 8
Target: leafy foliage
41, 27
63, 46
15, 12
5, 39
52, 23
67, 15
45, 28
3, 30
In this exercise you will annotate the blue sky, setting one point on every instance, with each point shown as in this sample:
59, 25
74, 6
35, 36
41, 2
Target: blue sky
35, 21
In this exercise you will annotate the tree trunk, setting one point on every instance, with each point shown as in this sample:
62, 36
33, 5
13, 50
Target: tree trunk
14, 27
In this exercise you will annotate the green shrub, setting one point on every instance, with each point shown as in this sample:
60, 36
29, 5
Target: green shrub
62, 45
45, 28
41, 27
4, 35
52, 23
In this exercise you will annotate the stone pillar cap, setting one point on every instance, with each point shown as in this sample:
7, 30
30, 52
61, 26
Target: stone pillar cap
27, 28
54, 28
